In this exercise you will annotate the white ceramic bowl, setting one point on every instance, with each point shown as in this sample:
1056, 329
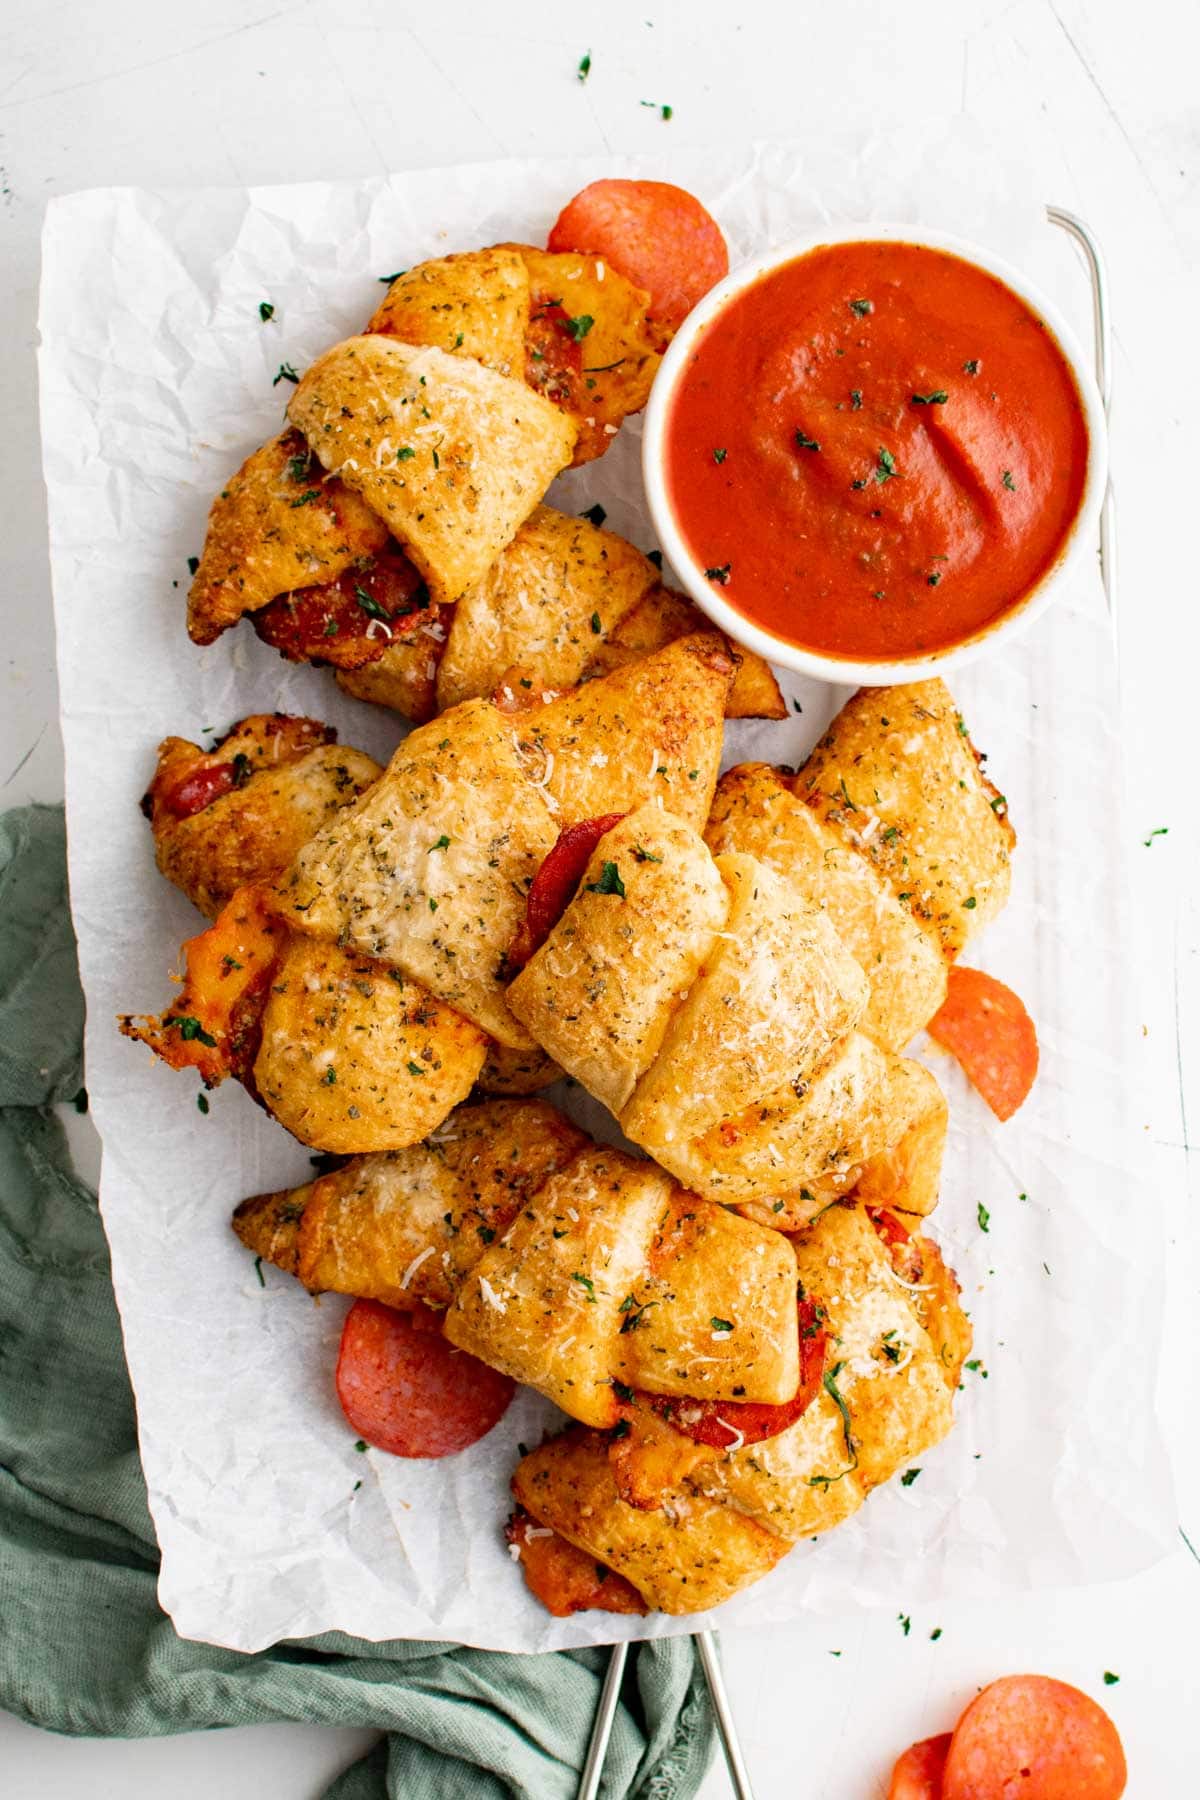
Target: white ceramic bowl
1079, 540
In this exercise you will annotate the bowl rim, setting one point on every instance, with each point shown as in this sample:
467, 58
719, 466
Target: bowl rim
853, 670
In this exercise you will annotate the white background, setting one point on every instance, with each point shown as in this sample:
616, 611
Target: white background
1105, 94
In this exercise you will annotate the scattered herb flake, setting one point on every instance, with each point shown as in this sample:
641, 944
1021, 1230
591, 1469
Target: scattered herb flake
1110, 1680
265, 310
1007, 481
938, 397
641, 854
193, 564
932, 580
860, 308
721, 1324
443, 843
286, 373
905, 1623
609, 883
262, 1282
579, 327
361, 1445
909, 1476
721, 575
387, 280
971, 366
585, 66
596, 625
885, 469
720, 455
415, 1069
596, 514
202, 1102
970, 903
935, 1634
306, 498
587, 1284
855, 399
806, 443
984, 1216
1159, 831
190, 1028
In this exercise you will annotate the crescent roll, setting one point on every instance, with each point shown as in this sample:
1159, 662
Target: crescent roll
892, 1363
714, 1009
571, 1267
359, 994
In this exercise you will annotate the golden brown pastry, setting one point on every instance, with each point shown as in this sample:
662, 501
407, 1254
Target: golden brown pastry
360, 995
238, 813
897, 777
893, 1355
713, 1008
569, 1266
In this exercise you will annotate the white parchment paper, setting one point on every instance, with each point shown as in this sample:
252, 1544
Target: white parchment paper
157, 379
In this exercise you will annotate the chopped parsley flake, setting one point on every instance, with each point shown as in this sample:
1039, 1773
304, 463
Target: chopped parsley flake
1007, 481
971, 366
720, 455
596, 514
1159, 831
585, 66
265, 310
405, 453
1110, 1680
596, 625
578, 328
306, 498
938, 397
609, 883
905, 1623
909, 1476
202, 1102
804, 442
861, 308
189, 1029
588, 1285
721, 1324
443, 843
886, 468
415, 1069
984, 1216
369, 604
855, 399
258, 1271
641, 854
721, 575
286, 373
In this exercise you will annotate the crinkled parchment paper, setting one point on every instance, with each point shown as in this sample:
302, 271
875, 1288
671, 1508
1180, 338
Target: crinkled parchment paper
156, 381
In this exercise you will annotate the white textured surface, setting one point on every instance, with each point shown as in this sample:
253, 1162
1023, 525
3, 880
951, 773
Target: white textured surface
1100, 101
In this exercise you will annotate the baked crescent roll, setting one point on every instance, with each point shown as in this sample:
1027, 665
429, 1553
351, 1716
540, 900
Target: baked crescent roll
238, 813
561, 584
451, 456
897, 777
347, 1053
713, 1009
416, 890
275, 529
569, 1266
663, 614
893, 1356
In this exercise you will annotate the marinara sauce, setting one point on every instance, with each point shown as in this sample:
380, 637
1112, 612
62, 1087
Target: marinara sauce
876, 450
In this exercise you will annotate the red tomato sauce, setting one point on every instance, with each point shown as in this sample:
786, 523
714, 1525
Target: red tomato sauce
876, 450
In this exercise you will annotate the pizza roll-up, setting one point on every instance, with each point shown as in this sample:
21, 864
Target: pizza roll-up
238, 813
569, 1266
483, 337
413, 455
892, 829
713, 1009
359, 995
894, 1347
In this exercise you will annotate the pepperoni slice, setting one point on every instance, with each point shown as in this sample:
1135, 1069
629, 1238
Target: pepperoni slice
407, 1390
350, 622
1036, 1737
918, 1773
553, 885
656, 235
985, 1026
204, 785
906, 1256
722, 1424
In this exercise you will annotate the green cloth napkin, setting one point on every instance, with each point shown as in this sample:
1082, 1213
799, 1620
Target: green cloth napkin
84, 1647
